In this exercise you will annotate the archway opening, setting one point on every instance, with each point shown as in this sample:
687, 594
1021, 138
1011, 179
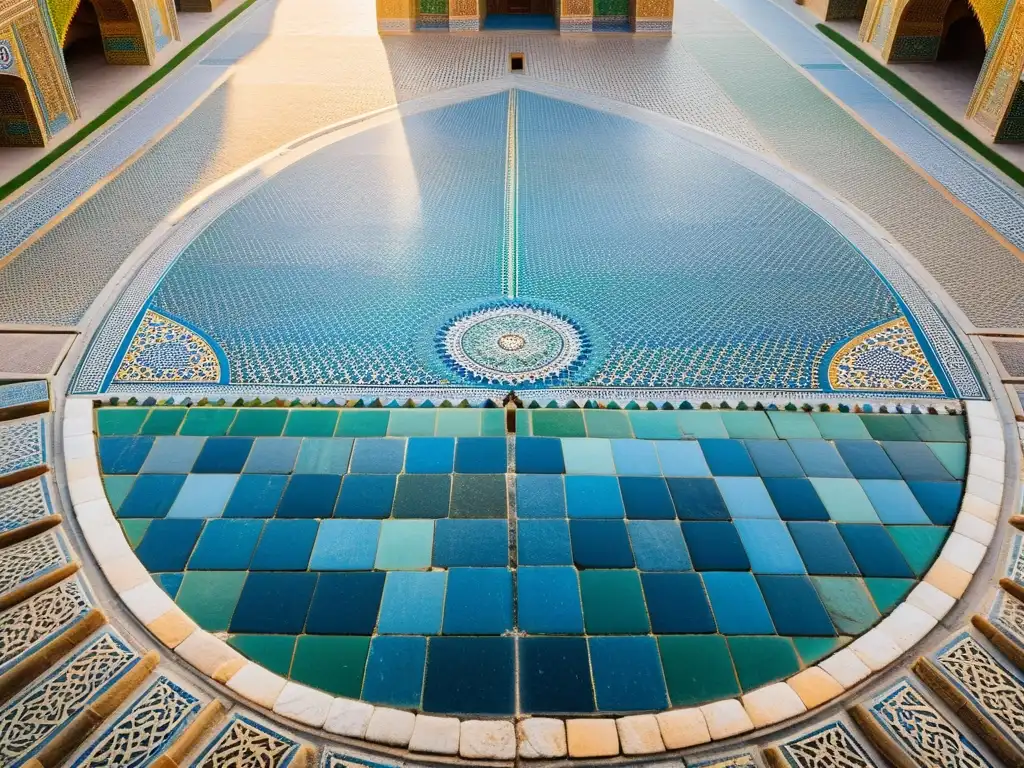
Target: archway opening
83, 43
19, 125
963, 39
536, 15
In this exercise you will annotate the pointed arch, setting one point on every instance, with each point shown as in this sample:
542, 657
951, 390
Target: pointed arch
20, 124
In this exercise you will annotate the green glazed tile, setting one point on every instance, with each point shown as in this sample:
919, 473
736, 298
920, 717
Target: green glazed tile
459, 422
953, 457
938, 428
405, 545
702, 424
479, 496
209, 597
919, 544
845, 500
791, 425
812, 649
552, 422
698, 669
164, 421
848, 603
607, 423
492, 422
412, 422
762, 660
655, 425
311, 422
272, 651
332, 664
752, 425
208, 422
888, 426
120, 421
259, 422
840, 426
888, 593
363, 422
117, 487
523, 424
134, 530
613, 603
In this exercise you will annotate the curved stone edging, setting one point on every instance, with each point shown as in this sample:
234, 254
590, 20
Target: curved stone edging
539, 737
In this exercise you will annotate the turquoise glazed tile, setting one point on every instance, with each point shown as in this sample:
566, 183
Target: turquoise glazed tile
412, 603
117, 488
847, 602
394, 670
595, 497
773, 458
226, 545
208, 422
548, 601
748, 425
470, 543
120, 421
888, 426
552, 422
677, 603
874, 551
363, 422
655, 425
458, 422
607, 423
381, 456
747, 497
345, 545
256, 496
588, 456
273, 604
259, 422
422, 496
658, 545
409, 422
845, 500
405, 545
681, 458
647, 498
819, 458
702, 424
636, 457
285, 546
324, 456
794, 606
481, 455
540, 496
431, 455
272, 455
151, 495
203, 496
479, 496
613, 603
543, 542
367, 496
953, 457
762, 660
697, 669
737, 603
894, 502
937, 428
492, 422
840, 426
311, 422
173, 455
790, 424
769, 546
478, 601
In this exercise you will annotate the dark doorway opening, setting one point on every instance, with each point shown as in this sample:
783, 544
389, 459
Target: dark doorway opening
83, 42
520, 15
963, 39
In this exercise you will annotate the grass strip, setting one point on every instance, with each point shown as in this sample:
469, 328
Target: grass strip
924, 104
110, 112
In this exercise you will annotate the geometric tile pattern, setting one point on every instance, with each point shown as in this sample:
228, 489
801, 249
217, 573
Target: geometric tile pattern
29, 559
1008, 615
245, 743
23, 503
35, 621
829, 746
23, 393
147, 728
22, 445
366, 551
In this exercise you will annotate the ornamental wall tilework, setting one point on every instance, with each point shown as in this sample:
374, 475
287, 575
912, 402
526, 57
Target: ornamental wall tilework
143, 731
164, 350
920, 731
34, 717
887, 357
23, 503
246, 743
22, 445
34, 622
32, 558
1007, 614
24, 393
739, 760
828, 746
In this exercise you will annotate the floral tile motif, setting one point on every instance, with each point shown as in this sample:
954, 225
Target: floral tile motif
245, 743
829, 746
164, 349
37, 620
32, 558
887, 358
23, 503
22, 445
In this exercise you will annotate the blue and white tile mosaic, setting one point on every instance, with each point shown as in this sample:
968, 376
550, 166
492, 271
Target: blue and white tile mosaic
244, 741
22, 445
24, 393
34, 622
24, 503
32, 558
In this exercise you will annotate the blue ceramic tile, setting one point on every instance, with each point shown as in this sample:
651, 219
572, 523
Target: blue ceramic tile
405, 545
366, 496
345, 604
285, 545
420, 496
470, 674
636, 457
430, 455
915, 461
554, 676
272, 455
203, 496
795, 499
874, 551
223, 455
600, 544
167, 544
794, 606
543, 542
715, 546
658, 545
540, 496
123, 455
481, 455
394, 671
845, 500
226, 545
478, 601
697, 498
169, 582
727, 458
682, 458
378, 455
539, 456
593, 496
345, 545
737, 603
256, 496
273, 603
894, 502
151, 496
769, 546
412, 603
646, 498
746, 497
867, 460
324, 456
677, 604
627, 674
173, 455
311, 496
470, 543
773, 458
819, 458
588, 456
940, 501
549, 601
822, 549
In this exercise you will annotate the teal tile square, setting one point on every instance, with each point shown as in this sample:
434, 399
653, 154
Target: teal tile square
587, 456
324, 456
259, 422
412, 603
844, 500
363, 422
203, 496
553, 422
492, 422
117, 488
604, 423
747, 497
120, 421
681, 458
459, 422
655, 425
748, 425
840, 426
792, 425
345, 545
636, 457
208, 422
702, 424
311, 422
163, 421
412, 422
937, 428
953, 457
172, 455
405, 545
894, 503
272, 456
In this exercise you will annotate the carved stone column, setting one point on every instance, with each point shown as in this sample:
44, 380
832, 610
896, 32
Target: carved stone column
998, 99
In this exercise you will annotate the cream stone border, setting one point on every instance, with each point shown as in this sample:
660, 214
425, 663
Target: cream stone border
545, 737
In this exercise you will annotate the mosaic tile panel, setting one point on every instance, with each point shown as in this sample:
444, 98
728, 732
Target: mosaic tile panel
1008, 615
32, 718
754, 541
920, 731
23, 393
830, 746
32, 558
22, 445
146, 729
23, 503
246, 743
35, 621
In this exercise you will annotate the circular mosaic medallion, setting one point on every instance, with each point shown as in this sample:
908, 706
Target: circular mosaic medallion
513, 344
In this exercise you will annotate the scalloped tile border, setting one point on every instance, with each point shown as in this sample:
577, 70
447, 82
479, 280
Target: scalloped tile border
549, 738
